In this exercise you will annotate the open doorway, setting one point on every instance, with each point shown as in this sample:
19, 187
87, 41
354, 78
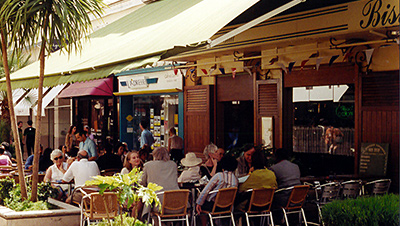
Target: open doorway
238, 123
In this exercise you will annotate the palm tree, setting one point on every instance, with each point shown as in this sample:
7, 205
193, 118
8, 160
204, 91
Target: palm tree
63, 22
15, 34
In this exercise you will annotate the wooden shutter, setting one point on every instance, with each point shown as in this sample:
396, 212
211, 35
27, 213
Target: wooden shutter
197, 118
379, 116
268, 104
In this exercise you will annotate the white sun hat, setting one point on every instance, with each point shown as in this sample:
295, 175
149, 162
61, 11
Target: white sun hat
191, 160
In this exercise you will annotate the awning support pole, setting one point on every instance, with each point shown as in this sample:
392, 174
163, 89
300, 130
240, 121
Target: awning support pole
253, 23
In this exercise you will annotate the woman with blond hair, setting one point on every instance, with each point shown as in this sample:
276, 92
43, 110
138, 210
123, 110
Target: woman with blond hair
132, 161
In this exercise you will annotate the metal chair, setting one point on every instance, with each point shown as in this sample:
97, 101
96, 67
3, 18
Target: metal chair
350, 189
295, 202
96, 206
329, 192
174, 207
260, 204
377, 187
223, 205
109, 172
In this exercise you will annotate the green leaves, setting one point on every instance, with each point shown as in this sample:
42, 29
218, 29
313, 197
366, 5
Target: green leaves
128, 188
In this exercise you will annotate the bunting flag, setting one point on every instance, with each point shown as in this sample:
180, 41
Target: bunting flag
368, 54
318, 62
273, 60
333, 58
314, 55
212, 69
204, 71
303, 63
175, 71
222, 70
233, 72
346, 56
248, 70
282, 66
291, 64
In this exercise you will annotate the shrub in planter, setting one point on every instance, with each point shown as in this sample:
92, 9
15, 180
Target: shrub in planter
10, 196
377, 210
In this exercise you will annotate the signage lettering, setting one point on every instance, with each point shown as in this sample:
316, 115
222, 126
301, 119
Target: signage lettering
376, 13
137, 83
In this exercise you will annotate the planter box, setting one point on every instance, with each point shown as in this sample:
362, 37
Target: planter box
65, 215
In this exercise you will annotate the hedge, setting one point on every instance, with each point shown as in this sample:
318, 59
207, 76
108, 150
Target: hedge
364, 211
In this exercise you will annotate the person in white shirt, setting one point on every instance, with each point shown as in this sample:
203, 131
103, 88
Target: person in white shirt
192, 173
81, 171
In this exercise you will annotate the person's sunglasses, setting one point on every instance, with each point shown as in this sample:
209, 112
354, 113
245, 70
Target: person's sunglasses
57, 158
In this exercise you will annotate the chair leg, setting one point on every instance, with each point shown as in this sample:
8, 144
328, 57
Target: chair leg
247, 219
304, 217
272, 219
187, 220
286, 219
211, 220
233, 219
159, 220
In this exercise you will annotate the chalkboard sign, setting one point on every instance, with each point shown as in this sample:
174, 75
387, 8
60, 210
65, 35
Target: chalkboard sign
373, 159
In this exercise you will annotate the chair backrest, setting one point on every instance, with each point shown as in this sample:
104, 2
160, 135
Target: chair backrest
261, 200
330, 192
175, 203
351, 189
380, 187
101, 205
224, 200
297, 197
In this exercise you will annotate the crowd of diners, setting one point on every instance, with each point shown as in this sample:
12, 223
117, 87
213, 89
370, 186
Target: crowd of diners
79, 160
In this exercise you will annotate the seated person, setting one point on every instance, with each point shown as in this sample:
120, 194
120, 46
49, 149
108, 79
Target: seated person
287, 174
132, 161
244, 161
81, 171
29, 160
4, 159
224, 179
161, 171
213, 155
192, 172
109, 160
259, 178
7, 151
56, 172
44, 160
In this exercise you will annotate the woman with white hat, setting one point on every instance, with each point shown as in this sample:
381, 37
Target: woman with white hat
192, 173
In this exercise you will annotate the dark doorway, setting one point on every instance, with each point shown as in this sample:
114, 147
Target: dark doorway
238, 123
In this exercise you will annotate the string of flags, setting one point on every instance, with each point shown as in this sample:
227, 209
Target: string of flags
289, 68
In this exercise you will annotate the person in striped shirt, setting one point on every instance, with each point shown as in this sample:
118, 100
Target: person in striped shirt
224, 179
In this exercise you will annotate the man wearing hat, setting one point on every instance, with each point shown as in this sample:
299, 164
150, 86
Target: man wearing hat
192, 173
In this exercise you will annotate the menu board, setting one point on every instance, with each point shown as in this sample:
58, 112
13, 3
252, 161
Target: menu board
373, 159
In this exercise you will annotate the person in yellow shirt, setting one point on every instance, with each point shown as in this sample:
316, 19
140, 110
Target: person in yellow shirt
261, 177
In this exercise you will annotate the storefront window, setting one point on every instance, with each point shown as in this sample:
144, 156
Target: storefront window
324, 120
162, 113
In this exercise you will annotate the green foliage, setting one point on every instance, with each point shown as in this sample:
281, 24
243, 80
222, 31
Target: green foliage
128, 188
45, 190
378, 210
6, 185
10, 196
122, 220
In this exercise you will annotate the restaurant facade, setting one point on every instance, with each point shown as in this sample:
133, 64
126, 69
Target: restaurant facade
323, 82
